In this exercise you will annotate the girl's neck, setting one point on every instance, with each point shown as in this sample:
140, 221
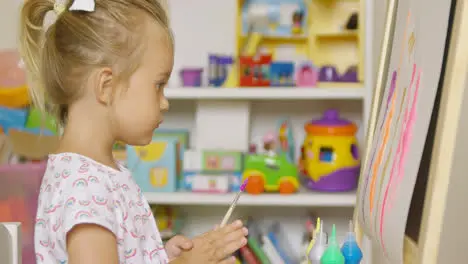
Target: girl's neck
89, 137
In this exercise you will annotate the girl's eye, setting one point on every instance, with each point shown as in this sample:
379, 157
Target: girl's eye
160, 85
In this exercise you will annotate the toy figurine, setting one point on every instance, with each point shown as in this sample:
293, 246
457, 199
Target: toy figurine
297, 20
269, 144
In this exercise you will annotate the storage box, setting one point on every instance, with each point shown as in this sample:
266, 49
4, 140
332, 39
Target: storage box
222, 161
181, 134
154, 167
182, 137
212, 171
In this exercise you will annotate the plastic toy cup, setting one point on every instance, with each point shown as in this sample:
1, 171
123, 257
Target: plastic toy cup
191, 77
330, 158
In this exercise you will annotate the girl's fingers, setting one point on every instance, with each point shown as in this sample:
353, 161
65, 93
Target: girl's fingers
231, 227
229, 248
175, 251
220, 233
230, 260
232, 237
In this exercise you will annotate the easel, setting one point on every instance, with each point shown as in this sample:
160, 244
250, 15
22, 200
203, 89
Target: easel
443, 234
10, 241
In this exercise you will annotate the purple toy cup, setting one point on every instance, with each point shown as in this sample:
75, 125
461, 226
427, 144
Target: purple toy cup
191, 77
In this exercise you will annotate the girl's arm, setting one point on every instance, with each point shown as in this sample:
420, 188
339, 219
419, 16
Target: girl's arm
91, 244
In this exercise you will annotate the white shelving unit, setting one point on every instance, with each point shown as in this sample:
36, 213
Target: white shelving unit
302, 199
289, 93
231, 118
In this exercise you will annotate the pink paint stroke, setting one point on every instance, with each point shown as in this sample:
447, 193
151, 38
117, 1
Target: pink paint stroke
403, 146
407, 136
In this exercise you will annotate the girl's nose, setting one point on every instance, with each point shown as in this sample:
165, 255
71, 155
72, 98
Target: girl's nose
164, 105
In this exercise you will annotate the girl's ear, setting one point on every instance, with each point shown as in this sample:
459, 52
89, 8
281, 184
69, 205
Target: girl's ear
104, 86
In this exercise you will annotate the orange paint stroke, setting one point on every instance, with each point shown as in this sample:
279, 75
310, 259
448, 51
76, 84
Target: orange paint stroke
388, 121
375, 166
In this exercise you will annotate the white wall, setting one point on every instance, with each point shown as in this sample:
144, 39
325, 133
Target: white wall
9, 10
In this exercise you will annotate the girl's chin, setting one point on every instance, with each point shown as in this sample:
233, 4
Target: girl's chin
141, 141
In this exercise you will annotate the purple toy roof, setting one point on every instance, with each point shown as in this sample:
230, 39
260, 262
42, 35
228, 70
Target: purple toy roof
331, 117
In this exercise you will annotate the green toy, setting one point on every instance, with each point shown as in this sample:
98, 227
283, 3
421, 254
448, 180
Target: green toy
270, 173
40, 121
332, 254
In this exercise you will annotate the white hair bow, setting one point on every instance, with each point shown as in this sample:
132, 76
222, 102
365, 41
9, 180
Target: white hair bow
83, 5
60, 6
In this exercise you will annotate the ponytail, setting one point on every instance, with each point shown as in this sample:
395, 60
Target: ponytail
31, 43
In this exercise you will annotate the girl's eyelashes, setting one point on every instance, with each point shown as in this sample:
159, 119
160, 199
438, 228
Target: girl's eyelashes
160, 85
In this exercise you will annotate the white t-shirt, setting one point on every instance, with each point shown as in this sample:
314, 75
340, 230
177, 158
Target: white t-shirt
76, 190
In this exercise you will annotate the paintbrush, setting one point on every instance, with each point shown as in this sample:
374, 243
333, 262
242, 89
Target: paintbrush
234, 203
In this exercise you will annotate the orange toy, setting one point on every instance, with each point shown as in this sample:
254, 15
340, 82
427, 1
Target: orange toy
13, 88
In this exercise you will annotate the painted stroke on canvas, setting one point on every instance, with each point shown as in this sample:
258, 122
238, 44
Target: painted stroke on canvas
393, 94
400, 158
390, 100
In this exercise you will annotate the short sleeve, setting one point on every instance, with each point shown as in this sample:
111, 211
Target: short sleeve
87, 198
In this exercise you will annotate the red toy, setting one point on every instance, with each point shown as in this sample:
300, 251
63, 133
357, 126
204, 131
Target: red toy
254, 72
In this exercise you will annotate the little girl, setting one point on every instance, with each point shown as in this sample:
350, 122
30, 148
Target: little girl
101, 67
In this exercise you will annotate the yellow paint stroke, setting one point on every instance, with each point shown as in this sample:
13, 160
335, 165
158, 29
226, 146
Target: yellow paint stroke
387, 122
411, 42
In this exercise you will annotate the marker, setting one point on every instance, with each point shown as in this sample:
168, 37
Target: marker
319, 244
332, 254
234, 203
350, 249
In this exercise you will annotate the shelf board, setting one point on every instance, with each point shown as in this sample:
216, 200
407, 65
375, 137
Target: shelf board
338, 35
282, 38
291, 93
302, 199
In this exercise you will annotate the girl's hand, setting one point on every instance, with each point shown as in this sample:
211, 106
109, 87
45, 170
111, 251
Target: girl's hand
215, 247
176, 245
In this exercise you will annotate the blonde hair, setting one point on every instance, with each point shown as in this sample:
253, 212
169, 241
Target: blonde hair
60, 57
